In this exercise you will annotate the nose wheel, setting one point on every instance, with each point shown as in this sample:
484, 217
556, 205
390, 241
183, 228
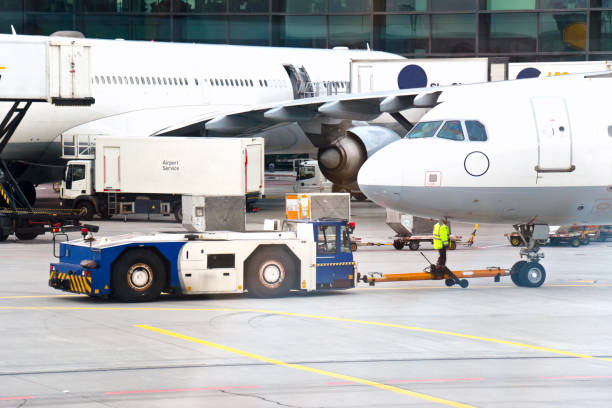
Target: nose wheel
530, 273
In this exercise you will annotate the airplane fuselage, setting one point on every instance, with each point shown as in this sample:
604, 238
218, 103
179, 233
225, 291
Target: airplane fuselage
547, 157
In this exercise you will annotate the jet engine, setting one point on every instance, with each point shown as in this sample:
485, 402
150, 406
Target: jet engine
340, 162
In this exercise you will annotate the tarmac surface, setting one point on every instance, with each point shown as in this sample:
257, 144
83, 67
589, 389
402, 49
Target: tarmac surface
413, 344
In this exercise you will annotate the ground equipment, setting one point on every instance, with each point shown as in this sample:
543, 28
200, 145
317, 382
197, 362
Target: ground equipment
557, 236
304, 255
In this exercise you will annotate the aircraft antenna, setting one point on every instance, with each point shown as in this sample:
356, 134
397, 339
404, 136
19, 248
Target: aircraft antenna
13, 30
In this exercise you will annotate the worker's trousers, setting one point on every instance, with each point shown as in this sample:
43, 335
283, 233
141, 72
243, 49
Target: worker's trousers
442, 257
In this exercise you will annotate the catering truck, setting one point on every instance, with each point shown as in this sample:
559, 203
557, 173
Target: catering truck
126, 175
303, 256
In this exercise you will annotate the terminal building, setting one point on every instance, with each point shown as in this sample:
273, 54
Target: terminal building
522, 30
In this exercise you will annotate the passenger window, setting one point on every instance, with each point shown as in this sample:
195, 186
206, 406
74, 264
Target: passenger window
148, 81
108, 79
476, 131
260, 83
231, 82
97, 80
345, 244
424, 129
132, 80
114, 80
218, 261
451, 130
159, 81
326, 240
241, 83
196, 81
181, 81
186, 83
251, 82
103, 82
120, 80
78, 172
265, 82
226, 82
137, 82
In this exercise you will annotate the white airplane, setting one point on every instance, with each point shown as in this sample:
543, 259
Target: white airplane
532, 153
151, 88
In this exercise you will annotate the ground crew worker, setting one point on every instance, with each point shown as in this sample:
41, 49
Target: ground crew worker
441, 239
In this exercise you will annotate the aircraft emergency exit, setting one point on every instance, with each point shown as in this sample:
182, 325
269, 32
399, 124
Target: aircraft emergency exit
532, 153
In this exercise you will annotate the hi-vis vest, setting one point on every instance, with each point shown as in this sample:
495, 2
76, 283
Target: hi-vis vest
441, 236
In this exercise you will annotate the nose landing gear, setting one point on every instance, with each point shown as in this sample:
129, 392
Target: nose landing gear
530, 273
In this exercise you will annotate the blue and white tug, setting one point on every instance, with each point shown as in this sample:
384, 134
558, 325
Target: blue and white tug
305, 255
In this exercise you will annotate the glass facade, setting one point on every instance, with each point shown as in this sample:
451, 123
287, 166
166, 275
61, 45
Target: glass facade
523, 30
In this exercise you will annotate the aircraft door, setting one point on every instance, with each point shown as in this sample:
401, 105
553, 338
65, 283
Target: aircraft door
300, 81
254, 176
554, 134
112, 168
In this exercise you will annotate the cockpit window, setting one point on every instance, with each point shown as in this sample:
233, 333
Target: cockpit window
476, 131
424, 129
451, 130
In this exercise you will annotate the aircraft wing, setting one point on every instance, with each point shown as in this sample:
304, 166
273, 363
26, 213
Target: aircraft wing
360, 107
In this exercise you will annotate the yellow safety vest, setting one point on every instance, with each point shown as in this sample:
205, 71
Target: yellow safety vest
441, 236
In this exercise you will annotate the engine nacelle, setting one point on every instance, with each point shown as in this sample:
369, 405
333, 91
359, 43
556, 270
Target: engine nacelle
341, 161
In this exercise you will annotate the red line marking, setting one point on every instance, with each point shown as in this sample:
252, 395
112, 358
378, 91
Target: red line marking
14, 398
180, 390
578, 377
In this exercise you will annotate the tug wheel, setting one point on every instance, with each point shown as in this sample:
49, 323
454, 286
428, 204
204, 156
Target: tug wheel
514, 272
464, 283
398, 244
575, 242
586, 240
270, 272
532, 275
138, 276
449, 282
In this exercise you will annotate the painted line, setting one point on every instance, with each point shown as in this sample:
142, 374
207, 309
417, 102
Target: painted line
320, 317
14, 398
2, 67
244, 387
431, 380
38, 296
495, 286
580, 377
306, 368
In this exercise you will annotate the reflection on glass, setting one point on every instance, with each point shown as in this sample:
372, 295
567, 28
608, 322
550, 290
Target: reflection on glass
562, 4
151, 6
508, 32
187, 6
244, 6
249, 30
46, 24
345, 244
299, 6
151, 28
451, 130
450, 5
207, 29
327, 239
400, 5
476, 131
7, 19
349, 31
49, 5
399, 33
93, 26
511, 4
108, 6
601, 31
341, 6
601, 3
299, 31
453, 33
10, 5
424, 129
562, 31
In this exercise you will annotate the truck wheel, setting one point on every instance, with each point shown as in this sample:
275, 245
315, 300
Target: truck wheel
269, 273
575, 242
138, 276
398, 244
178, 213
414, 245
26, 236
515, 241
532, 275
586, 240
86, 210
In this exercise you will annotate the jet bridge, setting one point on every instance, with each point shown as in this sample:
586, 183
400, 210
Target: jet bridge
39, 69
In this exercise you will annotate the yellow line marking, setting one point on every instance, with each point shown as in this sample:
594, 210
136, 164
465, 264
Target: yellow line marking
310, 316
306, 368
2, 67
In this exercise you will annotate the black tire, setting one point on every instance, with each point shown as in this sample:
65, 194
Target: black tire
464, 283
532, 275
178, 213
414, 245
105, 214
398, 244
586, 240
270, 272
86, 210
515, 241
453, 245
138, 276
574, 242
26, 236
449, 282
514, 272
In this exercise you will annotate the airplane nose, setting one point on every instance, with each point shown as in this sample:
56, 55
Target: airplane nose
381, 171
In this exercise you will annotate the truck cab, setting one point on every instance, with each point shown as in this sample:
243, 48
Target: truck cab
309, 178
77, 180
